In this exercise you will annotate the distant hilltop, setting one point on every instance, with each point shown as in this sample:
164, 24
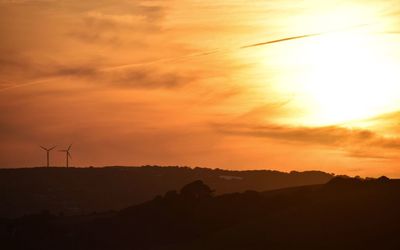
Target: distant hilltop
86, 190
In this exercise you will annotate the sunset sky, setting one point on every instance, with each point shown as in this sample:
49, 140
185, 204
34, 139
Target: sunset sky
197, 83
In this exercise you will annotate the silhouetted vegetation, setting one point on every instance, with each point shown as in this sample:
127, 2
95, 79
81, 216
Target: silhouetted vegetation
345, 213
85, 190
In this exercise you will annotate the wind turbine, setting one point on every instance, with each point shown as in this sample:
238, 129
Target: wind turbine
48, 154
67, 154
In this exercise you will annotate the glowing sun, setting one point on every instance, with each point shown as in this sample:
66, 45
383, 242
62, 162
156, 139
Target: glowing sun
349, 76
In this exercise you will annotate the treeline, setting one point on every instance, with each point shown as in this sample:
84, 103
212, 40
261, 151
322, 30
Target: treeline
85, 190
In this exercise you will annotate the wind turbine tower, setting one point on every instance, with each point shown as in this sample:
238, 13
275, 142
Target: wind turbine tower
48, 154
67, 154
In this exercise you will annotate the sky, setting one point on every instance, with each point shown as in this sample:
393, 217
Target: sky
283, 85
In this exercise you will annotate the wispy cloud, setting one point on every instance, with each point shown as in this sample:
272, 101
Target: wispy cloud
357, 142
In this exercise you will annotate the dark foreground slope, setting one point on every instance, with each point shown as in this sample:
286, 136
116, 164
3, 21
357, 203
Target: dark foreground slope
343, 214
85, 190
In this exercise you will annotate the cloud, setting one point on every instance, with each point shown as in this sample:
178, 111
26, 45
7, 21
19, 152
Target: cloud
92, 73
129, 25
83, 39
148, 79
143, 78
369, 155
391, 116
356, 142
388, 123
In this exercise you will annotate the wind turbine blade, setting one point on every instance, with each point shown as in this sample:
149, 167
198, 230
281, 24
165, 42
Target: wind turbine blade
69, 147
52, 148
43, 148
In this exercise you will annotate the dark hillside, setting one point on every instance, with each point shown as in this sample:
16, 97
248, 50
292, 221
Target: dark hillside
86, 190
342, 214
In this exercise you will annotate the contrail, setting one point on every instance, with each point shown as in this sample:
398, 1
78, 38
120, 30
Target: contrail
280, 40
210, 52
180, 58
15, 86
170, 59
303, 36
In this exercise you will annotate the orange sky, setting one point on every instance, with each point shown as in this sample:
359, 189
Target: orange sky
177, 82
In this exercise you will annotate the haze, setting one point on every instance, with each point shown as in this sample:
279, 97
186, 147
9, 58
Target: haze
197, 83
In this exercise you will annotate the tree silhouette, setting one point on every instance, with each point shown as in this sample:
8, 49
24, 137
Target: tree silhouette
196, 190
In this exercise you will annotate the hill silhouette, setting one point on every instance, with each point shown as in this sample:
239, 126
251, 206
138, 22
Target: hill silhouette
86, 190
345, 213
